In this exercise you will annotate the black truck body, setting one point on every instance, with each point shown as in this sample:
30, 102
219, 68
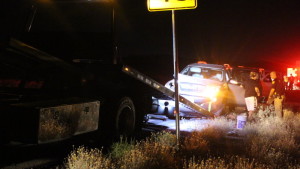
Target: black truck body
33, 83
60, 74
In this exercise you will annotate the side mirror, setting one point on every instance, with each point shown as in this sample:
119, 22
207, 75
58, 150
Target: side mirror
170, 84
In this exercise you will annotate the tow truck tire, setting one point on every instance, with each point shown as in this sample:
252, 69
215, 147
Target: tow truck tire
125, 119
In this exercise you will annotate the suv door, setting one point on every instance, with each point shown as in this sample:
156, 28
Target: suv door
236, 93
266, 83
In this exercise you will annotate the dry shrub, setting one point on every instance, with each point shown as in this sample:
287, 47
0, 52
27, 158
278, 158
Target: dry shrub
134, 159
288, 114
293, 120
273, 140
215, 134
194, 145
222, 124
211, 163
211, 140
269, 142
189, 124
164, 138
148, 155
265, 111
85, 158
212, 135
52, 129
262, 149
269, 127
158, 151
245, 163
234, 162
120, 148
207, 141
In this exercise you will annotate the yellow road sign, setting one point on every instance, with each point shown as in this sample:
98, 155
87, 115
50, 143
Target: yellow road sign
166, 5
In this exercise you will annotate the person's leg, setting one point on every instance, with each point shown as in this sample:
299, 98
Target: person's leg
251, 103
278, 106
250, 116
251, 113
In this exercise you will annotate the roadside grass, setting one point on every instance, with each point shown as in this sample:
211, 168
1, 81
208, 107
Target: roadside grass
82, 157
267, 142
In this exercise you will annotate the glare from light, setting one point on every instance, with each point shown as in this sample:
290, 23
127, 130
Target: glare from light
211, 92
291, 71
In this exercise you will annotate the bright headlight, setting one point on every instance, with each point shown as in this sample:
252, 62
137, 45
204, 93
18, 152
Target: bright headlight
211, 92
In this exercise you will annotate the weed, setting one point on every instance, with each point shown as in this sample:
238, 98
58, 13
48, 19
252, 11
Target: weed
120, 148
268, 142
84, 158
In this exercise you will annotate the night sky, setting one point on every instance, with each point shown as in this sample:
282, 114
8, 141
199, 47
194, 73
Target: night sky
263, 33
260, 33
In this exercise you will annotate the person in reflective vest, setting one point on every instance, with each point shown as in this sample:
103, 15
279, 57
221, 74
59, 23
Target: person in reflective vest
276, 93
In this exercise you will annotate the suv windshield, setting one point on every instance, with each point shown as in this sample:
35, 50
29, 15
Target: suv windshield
204, 73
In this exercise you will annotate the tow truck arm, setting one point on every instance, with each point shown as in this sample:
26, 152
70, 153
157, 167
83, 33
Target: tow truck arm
165, 91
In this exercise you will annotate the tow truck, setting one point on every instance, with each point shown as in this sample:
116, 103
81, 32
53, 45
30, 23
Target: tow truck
54, 82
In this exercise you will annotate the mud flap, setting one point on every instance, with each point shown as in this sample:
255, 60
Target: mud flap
44, 122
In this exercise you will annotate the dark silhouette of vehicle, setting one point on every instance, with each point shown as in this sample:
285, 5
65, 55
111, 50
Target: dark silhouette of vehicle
61, 75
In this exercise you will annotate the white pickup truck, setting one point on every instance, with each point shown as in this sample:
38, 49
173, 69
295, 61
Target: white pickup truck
216, 88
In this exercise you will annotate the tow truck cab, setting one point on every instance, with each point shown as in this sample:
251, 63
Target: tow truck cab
58, 70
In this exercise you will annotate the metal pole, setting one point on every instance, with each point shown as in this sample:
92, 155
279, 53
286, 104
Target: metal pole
115, 58
113, 33
31, 18
175, 62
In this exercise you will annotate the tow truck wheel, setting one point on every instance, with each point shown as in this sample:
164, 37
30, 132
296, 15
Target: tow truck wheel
125, 117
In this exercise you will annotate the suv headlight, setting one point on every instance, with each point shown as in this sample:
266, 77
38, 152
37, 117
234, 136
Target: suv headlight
211, 92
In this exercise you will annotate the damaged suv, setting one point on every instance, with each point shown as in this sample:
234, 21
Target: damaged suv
209, 85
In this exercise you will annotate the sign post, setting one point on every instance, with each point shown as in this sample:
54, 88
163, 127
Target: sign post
167, 5
176, 70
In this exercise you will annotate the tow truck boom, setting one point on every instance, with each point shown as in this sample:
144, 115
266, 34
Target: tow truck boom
167, 92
